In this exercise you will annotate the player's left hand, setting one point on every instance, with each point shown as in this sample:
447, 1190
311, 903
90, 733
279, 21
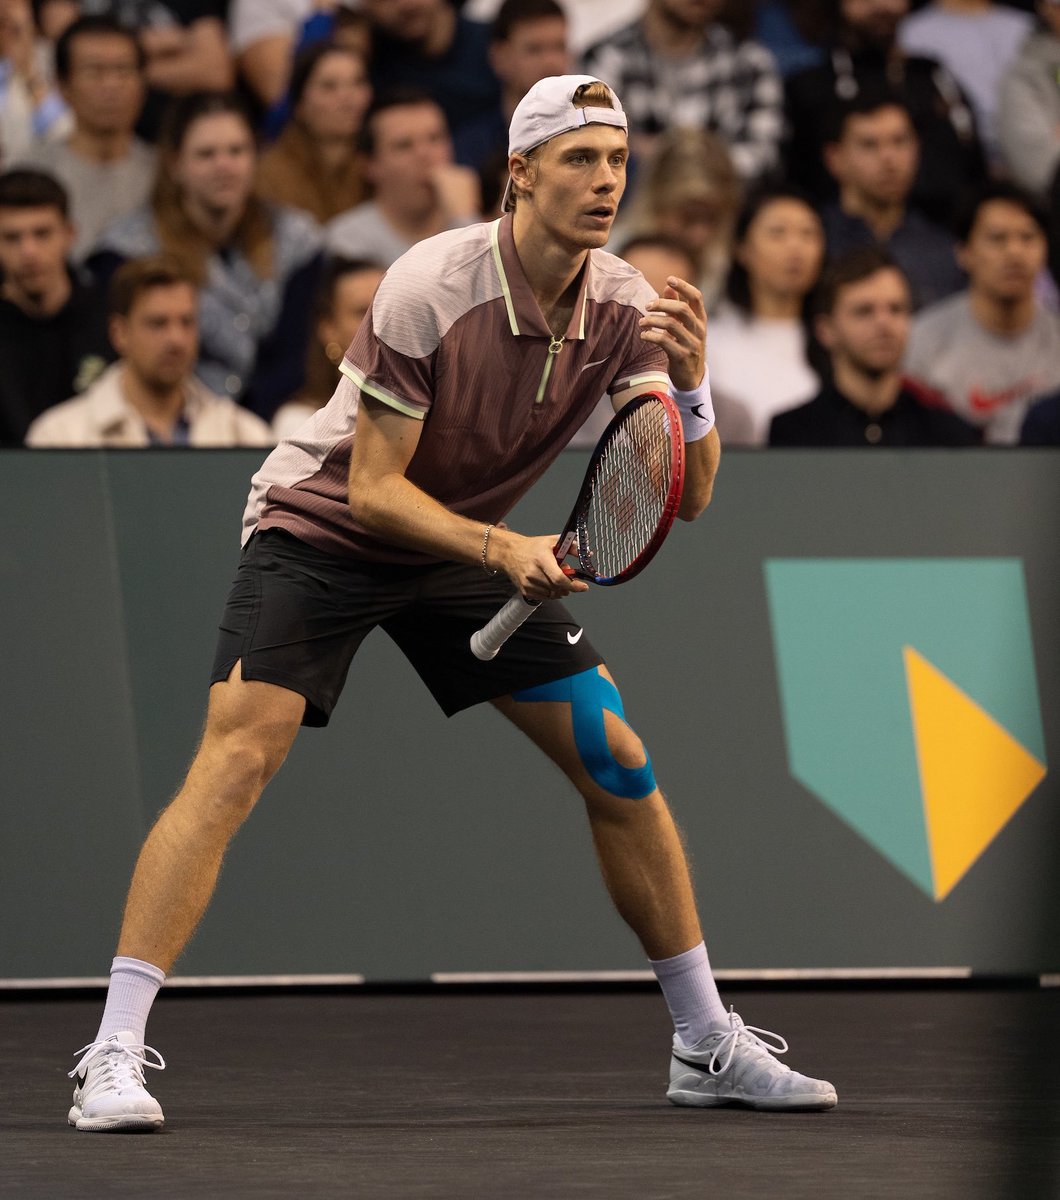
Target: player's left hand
677, 321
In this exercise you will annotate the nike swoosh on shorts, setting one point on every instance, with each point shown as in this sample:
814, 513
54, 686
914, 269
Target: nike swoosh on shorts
574, 638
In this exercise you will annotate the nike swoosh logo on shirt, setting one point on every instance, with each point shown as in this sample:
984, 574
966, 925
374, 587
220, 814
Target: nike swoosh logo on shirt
574, 638
598, 363
984, 402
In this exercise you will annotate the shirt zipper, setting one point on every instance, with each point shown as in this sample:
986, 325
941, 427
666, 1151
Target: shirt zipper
555, 345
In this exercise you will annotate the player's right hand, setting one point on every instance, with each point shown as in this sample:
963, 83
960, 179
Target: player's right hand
530, 563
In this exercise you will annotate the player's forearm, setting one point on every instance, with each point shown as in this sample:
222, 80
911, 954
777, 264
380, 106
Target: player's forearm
396, 510
701, 466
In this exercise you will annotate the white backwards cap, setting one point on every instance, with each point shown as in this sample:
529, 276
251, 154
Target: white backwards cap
548, 109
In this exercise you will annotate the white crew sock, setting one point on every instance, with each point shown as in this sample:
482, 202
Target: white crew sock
133, 987
691, 995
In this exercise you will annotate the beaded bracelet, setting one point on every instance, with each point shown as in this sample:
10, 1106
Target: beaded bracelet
485, 543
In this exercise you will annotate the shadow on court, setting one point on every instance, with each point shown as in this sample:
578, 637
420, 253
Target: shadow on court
545, 1094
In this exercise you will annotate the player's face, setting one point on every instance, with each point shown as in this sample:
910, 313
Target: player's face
336, 97
215, 164
411, 142
579, 181
34, 243
353, 298
159, 339
1005, 252
869, 324
783, 248
877, 156
106, 86
535, 50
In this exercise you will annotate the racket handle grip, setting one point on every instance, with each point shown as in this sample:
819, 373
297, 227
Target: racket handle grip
491, 637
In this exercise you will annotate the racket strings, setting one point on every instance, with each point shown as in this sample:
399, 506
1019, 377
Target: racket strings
629, 495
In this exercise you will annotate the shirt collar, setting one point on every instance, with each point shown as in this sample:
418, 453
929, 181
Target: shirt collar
524, 313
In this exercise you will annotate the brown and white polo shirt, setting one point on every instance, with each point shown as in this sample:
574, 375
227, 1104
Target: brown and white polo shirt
455, 338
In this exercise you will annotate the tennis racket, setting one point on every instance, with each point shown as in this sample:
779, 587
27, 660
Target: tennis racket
627, 503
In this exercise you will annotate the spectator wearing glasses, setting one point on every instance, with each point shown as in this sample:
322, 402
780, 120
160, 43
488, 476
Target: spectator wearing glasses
185, 45
106, 170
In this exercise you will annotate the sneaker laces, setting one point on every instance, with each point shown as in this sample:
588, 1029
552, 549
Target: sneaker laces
119, 1065
749, 1035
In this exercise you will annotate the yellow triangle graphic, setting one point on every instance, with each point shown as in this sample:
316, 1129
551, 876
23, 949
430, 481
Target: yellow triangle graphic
974, 775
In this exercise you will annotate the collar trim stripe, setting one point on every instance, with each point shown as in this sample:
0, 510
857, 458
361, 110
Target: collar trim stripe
495, 245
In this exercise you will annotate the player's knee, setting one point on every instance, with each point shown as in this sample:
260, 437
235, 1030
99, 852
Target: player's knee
612, 754
239, 763
255, 755
624, 745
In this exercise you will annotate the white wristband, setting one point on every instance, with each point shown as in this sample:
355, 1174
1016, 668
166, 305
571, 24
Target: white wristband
697, 410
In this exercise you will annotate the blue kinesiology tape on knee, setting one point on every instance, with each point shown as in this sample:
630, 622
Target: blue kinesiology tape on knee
589, 694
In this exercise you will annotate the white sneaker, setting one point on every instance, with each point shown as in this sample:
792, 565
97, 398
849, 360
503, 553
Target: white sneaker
738, 1067
109, 1094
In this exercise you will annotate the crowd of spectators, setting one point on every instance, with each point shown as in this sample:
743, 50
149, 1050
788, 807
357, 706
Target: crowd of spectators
198, 199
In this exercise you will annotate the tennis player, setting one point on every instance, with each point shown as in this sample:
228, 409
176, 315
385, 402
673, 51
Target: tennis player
484, 351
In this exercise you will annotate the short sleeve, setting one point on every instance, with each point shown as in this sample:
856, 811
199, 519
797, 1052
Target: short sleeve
392, 356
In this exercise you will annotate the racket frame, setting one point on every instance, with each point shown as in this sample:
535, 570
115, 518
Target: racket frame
486, 642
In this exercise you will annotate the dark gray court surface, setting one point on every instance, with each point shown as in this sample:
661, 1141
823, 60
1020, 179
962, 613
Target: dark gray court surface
944, 1093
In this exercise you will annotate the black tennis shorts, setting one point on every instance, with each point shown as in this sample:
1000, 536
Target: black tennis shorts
296, 615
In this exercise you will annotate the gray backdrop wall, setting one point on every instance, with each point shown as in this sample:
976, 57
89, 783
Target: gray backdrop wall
396, 844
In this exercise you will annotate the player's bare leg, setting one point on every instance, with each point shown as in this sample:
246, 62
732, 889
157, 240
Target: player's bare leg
637, 843
716, 1058
249, 729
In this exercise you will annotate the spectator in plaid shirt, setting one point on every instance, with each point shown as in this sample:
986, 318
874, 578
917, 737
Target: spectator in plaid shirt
677, 66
